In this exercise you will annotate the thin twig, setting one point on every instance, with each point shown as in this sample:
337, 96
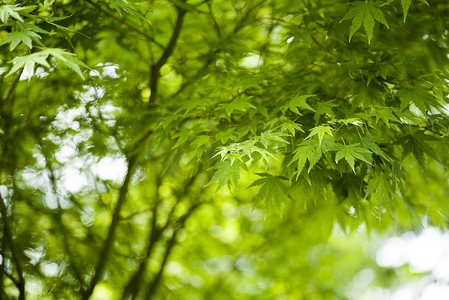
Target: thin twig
152, 287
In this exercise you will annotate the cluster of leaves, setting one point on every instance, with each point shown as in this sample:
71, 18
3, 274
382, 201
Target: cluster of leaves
24, 33
214, 109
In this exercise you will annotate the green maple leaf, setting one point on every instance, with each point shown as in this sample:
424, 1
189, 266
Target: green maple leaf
299, 101
27, 62
272, 189
300, 157
12, 11
68, 59
192, 104
352, 152
225, 135
364, 12
226, 172
320, 131
314, 156
324, 108
182, 136
23, 33
306, 152
290, 126
406, 6
129, 8
240, 104
269, 136
416, 144
379, 188
386, 115
419, 96
17, 37
370, 143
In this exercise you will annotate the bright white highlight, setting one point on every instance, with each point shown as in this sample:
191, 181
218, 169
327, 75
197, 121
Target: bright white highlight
427, 251
251, 61
110, 168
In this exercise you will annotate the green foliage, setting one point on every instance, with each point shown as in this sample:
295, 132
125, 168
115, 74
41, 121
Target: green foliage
366, 13
320, 132
227, 171
379, 189
13, 12
352, 152
272, 191
130, 132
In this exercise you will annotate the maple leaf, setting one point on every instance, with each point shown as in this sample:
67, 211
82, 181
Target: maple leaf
182, 136
416, 144
240, 104
370, 143
352, 152
320, 131
299, 101
68, 59
386, 114
306, 152
300, 157
379, 188
226, 173
419, 96
353, 121
324, 108
272, 189
27, 62
269, 136
226, 135
406, 6
11, 11
122, 5
16, 37
364, 12
290, 126
201, 143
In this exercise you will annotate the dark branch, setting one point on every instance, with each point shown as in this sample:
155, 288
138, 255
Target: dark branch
108, 243
13, 85
14, 252
154, 76
152, 288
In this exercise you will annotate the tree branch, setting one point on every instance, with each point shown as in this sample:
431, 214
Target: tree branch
13, 85
108, 243
17, 284
14, 252
152, 288
132, 287
61, 227
154, 74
